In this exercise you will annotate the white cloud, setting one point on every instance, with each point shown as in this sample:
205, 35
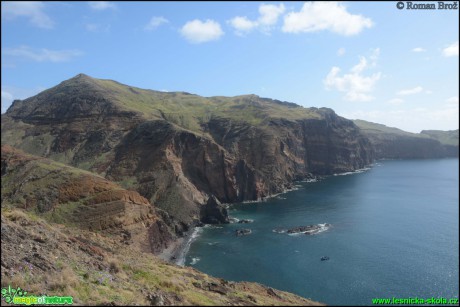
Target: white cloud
155, 22
269, 14
395, 101
360, 66
242, 24
319, 16
197, 31
101, 5
33, 10
355, 85
410, 91
418, 49
268, 17
341, 51
428, 92
451, 50
42, 55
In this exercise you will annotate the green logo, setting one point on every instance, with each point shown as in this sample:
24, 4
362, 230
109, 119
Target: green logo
18, 296
10, 293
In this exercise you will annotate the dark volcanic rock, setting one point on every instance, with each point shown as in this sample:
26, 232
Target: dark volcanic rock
214, 212
243, 221
243, 232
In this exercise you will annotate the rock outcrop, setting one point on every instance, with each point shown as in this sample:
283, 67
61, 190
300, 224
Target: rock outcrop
214, 212
243, 232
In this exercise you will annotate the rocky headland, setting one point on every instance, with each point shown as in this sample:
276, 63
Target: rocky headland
105, 175
184, 153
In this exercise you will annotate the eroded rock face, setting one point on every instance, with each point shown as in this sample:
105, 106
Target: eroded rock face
84, 124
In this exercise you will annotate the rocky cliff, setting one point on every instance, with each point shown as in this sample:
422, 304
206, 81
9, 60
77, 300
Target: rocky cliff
393, 143
177, 149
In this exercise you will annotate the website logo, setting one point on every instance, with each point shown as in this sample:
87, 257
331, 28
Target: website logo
19, 297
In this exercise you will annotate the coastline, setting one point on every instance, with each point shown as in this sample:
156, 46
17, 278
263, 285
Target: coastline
178, 249
176, 253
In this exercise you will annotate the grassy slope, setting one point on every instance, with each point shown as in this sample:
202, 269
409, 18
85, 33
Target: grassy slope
250, 108
445, 137
374, 128
189, 110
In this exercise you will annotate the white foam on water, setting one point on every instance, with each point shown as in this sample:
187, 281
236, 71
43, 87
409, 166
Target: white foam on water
195, 234
233, 220
361, 170
322, 228
194, 261
295, 234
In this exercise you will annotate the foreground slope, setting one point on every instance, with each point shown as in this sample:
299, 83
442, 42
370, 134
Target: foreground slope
393, 143
180, 151
68, 232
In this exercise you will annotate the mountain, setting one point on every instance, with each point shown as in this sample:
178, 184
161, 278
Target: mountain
66, 231
393, 143
184, 153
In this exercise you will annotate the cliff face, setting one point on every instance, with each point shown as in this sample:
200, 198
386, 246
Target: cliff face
392, 143
238, 162
177, 149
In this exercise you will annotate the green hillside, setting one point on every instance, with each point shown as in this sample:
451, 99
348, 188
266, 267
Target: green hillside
445, 137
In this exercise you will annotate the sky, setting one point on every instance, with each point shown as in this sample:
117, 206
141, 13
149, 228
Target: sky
365, 60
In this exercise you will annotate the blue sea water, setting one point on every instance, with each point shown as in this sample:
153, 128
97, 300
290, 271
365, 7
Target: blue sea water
395, 233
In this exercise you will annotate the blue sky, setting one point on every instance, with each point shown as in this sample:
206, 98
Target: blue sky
366, 60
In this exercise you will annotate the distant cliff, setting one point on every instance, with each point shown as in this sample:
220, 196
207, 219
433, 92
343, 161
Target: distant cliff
178, 149
393, 143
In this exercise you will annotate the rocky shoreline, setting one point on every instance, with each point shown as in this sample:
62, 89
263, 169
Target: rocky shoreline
177, 250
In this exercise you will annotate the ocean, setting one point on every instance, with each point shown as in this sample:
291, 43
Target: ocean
394, 233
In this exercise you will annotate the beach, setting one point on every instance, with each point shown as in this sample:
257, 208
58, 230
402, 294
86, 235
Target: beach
178, 249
